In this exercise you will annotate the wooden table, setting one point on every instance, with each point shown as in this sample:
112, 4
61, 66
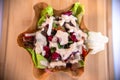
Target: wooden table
15, 62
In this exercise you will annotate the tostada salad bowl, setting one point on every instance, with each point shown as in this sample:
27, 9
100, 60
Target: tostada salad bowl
59, 41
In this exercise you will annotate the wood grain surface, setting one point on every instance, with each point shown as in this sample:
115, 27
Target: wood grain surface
15, 62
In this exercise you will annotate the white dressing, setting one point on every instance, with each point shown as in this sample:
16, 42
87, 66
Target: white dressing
63, 37
68, 18
40, 42
78, 33
61, 22
50, 22
65, 53
58, 63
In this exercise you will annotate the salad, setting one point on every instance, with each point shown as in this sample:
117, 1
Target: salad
59, 42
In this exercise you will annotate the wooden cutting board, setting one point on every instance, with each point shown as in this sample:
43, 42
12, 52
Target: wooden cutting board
16, 64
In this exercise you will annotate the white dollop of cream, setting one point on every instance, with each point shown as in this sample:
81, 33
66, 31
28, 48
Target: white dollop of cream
58, 63
96, 41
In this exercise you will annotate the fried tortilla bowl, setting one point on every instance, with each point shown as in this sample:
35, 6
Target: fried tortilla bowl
39, 73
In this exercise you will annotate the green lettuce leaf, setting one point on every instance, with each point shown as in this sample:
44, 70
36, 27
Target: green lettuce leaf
41, 20
37, 58
81, 62
47, 11
77, 9
40, 58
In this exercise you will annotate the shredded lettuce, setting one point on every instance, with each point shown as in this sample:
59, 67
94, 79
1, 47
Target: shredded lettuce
60, 46
81, 62
47, 11
37, 58
53, 49
55, 25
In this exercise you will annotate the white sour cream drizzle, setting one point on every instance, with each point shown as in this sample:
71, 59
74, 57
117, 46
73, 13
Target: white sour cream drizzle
58, 63
95, 41
78, 33
71, 18
65, 53
40, 42
63, 37
48, 21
